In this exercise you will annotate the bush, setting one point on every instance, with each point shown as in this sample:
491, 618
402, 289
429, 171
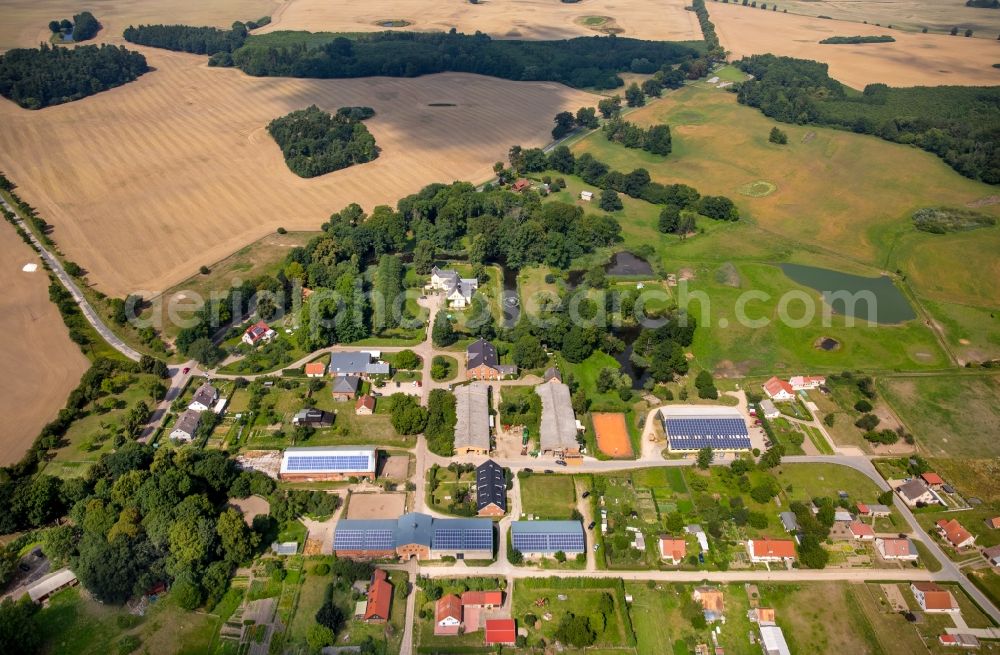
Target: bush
863, 406
778, 136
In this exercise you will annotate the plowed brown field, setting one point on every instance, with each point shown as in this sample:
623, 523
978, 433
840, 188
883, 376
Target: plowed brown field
146, 182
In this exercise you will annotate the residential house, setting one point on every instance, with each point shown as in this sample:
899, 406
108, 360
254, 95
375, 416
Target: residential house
345, 387
315, 369
186, 425
771, 550
521, 184
932, 598
487, 600
482, 362
713, 604
365, 405
779, 390
933, 480
491, 489
204, 398
502, 632
552, 373
379, 598
458, 291
448, 615
916, 492
896, 549
956, 535
314, 418
992, 554
257, 333
673, 550
800, 382
357, 363
862, 531
768, 409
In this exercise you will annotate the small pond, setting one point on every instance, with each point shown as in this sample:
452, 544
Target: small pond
889, 306
625, 263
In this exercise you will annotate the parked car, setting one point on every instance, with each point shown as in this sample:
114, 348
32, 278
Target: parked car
560, 462
585, 494
186, 370
596, 547
527, 470
592, 524
24, 567
549, 471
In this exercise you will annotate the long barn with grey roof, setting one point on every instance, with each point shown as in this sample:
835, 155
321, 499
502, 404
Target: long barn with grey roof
416, 536
558, 426
472, 419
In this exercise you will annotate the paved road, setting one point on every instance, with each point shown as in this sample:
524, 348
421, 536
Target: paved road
67, 281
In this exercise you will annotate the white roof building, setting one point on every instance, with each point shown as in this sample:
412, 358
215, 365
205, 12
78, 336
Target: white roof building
773, 641
50, 584
298, 462
558, 425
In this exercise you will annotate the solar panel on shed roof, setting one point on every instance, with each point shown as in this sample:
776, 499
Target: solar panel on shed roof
364, 539
328, 463
463, 538
693, 433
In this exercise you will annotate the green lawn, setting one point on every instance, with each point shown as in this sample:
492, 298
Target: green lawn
810, 480
951, 416
579, 597
550, 496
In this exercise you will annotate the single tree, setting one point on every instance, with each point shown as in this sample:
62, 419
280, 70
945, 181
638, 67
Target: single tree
634, 96
778, 136
610, 202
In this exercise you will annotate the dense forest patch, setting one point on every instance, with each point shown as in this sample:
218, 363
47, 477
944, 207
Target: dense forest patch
848, 40
315, 143
36, 78
957, 123
941, 220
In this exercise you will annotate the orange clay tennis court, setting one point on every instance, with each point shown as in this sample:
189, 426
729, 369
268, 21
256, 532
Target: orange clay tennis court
612, 435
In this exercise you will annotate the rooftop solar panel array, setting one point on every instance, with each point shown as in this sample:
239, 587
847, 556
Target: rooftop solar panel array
362, 539
463, 539
718, 433
328, 463
548, 543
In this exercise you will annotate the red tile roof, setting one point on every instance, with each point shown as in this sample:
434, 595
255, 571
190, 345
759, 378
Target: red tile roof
482, 598
315, 368
859, 530
776, 385
935, 598
365, 401
257, 330
953, 531
675, 549
774, 548
449, 606
993, 522
521, 185
896, 547
932, 478
500, 631
863, 509
379, 597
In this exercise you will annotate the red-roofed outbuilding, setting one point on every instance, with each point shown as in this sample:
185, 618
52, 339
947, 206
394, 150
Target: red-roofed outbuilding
501, 631
379, 598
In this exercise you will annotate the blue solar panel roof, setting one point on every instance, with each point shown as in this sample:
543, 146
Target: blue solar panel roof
693, 433
328, 463
548, 536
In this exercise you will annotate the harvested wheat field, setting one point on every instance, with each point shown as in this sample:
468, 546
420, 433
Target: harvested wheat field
25, 21
146, 182
913, 60
510, 19
612, 434
939, 16
39, 362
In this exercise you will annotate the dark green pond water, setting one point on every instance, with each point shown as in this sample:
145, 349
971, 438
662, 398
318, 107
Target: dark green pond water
889, 306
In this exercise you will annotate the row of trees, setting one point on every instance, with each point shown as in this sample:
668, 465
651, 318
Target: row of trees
39, 77
314, 142
958, 124
592, 62
183, 38
655, 139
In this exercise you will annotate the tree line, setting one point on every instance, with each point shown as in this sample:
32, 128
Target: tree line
39, 77
184, 38
961, 125
314, 142
580, 62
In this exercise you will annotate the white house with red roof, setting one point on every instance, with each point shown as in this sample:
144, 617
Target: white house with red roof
932, 598
862, 531
672, 550
257, 333
771, 550
800, 382
779, 390
896, 549
956, 535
